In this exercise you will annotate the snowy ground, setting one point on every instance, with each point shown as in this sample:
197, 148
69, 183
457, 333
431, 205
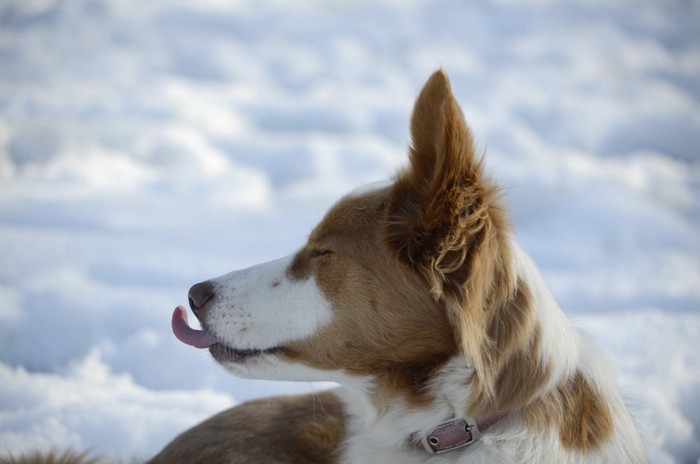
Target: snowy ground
145, 146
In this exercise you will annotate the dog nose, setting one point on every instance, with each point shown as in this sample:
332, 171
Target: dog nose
199, 294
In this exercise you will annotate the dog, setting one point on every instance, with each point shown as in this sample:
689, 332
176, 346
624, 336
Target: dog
413, 296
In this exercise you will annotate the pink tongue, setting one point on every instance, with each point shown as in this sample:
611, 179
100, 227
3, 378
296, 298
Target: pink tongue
188, 335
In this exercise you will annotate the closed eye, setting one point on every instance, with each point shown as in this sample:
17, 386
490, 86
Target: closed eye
319, 253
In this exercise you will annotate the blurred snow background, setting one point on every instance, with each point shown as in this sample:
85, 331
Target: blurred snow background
145, 146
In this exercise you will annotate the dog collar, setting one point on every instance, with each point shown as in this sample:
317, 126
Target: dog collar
453, 434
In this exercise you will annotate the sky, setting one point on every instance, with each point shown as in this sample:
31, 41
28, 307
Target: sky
146, 146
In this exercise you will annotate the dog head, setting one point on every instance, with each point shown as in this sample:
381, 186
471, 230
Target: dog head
393, 282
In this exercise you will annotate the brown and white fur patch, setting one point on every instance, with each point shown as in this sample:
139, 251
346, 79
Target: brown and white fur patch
415, 297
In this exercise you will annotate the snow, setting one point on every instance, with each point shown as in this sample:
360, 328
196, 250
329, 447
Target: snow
145, 146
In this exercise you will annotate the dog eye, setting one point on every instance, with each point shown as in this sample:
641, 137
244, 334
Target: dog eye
319, 253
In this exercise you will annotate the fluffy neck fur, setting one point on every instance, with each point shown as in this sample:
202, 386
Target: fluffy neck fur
454, 388
576, 416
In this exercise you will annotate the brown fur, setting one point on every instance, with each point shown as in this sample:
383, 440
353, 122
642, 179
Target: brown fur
279, 430
516, 366
577, 410
392, 328
445, 222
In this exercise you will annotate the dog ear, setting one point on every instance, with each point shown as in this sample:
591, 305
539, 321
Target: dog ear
438, 207
443, 220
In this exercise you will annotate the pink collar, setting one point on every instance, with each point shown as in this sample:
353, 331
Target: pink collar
453, 434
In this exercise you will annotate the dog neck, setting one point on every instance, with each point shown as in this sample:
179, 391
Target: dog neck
381, 420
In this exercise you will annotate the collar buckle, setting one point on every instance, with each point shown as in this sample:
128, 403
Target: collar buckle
451, 435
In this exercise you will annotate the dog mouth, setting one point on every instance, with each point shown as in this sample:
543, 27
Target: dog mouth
203, 339
224, 353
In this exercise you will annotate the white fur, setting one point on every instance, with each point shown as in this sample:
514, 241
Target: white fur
261, 307
560, 340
